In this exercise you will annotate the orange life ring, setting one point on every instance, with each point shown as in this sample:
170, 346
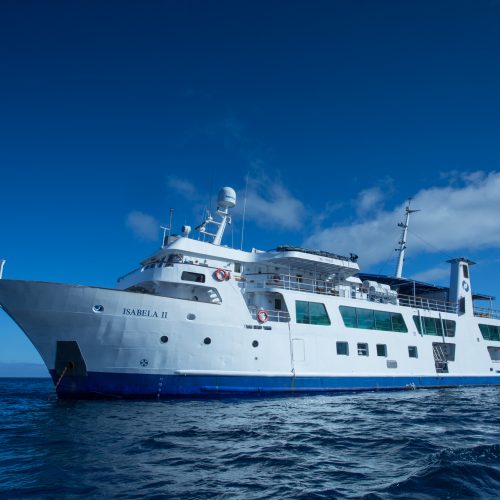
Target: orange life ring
220, 274
262, 316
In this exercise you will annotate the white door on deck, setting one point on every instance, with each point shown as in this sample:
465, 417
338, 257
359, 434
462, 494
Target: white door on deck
298, 350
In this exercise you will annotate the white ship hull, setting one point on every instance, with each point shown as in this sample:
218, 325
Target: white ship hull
100, 342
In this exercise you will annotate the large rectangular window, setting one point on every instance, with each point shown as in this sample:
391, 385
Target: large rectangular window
382, 350
434, 326
490, 332
311, 313
369, 319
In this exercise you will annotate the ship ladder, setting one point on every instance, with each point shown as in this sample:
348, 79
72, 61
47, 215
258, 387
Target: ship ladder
440, 359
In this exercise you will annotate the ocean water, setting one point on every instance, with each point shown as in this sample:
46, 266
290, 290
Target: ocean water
418, 444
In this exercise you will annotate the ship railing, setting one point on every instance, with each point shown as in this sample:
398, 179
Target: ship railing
486, 312
426, 303
293, 282
272, 314
335, 288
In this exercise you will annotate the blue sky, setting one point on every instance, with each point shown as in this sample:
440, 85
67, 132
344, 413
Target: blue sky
113, 112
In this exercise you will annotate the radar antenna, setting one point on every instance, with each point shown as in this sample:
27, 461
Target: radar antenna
402, 242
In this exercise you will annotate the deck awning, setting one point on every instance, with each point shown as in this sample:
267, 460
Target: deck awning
407, 286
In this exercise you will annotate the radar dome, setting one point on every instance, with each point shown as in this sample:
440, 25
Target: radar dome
226, 198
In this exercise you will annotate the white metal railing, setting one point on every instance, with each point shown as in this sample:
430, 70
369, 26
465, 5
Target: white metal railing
424, 303
487, 312
335, 288
292, 282
272, 315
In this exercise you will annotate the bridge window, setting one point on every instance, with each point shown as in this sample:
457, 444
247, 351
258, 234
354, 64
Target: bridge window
490, 332
434, 326
196, 277
369, 319
342, 348
311, 313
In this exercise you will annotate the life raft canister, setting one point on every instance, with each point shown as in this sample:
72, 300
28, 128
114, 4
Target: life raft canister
262, 316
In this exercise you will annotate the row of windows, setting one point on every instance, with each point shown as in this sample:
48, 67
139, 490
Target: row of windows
363, 349
368, 319
490, 332
434, 326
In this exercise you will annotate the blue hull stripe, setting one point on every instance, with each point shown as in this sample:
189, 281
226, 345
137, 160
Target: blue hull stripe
125, 385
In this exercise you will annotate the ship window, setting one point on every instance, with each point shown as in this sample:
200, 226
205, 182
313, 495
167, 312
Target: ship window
383, 321
277, 304
189, 276
466, 271
237, 267
490, 332
494, 353
362, 349
434, 326
342, 348
382, 350
412, 351
311, 313
392, 363
368, 319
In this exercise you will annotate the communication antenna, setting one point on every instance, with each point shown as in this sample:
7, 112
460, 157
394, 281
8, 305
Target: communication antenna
244, 212
402, 242
165, 229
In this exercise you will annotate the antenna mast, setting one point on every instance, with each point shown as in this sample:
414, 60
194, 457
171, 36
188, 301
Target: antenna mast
165, 229
402, 242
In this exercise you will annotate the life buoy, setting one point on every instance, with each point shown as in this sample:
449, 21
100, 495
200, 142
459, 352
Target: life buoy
220, 274
262, 316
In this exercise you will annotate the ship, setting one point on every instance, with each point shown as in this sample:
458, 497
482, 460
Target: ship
201, 319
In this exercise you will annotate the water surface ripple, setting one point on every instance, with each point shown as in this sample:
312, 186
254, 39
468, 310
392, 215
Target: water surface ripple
419, 444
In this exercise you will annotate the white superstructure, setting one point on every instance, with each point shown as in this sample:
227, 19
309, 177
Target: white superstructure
199, 318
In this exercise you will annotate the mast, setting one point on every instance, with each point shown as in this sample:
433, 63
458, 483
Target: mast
402, 242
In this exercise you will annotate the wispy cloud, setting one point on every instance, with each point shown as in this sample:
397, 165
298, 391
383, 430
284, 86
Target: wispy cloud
144, 226
433, 275
369, 200
462, 215
271, 205
184, 187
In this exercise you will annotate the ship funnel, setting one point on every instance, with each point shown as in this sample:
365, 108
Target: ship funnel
460, 289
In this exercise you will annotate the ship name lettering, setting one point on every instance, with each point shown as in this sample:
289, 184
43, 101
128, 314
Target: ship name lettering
145, 313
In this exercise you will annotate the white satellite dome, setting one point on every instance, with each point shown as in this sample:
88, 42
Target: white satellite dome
226, 197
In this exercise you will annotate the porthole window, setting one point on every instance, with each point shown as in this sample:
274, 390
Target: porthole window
191, 316
98, 308
255, 343
207, 340
163, 339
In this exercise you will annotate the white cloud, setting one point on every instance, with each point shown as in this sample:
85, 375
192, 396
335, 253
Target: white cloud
369, 200
269, 204
463, 217
183, 187
144, 226
433, 275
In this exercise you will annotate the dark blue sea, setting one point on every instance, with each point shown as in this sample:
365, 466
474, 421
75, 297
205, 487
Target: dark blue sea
419, 444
